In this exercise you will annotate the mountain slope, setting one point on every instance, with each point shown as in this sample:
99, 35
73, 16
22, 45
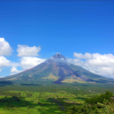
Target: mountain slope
57, 70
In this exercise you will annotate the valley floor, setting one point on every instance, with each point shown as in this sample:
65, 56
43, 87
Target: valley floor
50, 99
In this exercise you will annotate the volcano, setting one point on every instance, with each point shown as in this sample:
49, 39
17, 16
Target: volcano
57, 70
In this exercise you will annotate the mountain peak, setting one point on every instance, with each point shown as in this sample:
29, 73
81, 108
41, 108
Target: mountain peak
58, 56
55, 70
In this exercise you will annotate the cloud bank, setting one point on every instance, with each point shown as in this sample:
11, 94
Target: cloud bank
102, 64
29, 62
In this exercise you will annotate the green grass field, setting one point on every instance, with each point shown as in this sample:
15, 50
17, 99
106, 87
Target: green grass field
46, 98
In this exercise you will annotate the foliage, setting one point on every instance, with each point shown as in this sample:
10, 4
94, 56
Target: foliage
100, 98
94, 105
89, 109
37, 98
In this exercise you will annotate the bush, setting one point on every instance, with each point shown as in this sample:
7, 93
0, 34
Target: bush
93, 105
89, 109
99, 98
84, 109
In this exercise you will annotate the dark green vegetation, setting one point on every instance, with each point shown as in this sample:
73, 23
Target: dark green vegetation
46, 98
99, 98
99, 104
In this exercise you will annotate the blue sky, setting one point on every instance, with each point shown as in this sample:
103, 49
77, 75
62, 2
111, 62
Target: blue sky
72, 28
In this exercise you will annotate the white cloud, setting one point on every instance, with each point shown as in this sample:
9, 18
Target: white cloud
81, 56
5, 48
6, 63
102, 64
24, 50
14, 70
29, 62
101, 60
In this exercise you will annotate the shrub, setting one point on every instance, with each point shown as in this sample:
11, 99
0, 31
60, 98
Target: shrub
99, 98
93, 105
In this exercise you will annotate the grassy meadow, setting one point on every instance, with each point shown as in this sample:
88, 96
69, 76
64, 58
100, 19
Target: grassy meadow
47, 98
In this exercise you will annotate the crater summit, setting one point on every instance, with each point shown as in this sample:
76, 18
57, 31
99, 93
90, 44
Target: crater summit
58, 56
